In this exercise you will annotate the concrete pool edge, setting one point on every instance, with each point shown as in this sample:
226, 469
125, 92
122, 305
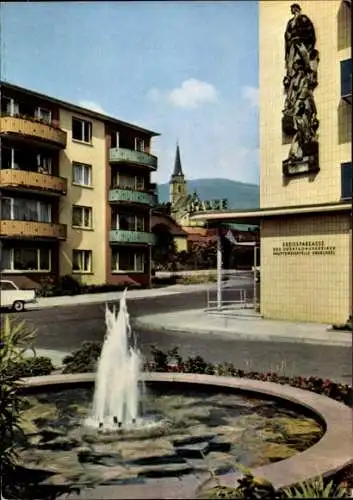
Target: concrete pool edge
330, 454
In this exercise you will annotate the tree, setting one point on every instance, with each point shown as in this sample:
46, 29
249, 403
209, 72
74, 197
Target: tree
164, 250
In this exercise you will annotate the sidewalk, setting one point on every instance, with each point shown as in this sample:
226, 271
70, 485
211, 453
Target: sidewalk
97, 298
248, 328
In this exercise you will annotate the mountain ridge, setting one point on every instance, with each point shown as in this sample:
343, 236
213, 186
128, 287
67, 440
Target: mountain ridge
240, 195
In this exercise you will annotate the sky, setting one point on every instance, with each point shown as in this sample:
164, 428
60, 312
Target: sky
185, 69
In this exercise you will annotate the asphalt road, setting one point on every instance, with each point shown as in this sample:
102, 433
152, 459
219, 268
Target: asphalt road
64, 328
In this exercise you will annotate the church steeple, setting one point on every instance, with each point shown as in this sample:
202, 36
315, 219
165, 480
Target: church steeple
178, 171
177, 183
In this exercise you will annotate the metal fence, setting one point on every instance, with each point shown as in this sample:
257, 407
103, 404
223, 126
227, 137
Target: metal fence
234, 300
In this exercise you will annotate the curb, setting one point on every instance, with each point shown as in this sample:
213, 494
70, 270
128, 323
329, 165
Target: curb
168, 291
144, 324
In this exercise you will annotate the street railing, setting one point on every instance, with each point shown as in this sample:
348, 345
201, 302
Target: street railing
232, 298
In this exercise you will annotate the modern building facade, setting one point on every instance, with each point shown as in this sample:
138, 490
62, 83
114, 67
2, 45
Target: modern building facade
76, 193
305, 81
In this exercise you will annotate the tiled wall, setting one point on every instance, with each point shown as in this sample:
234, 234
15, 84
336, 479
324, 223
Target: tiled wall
331, 19
315, 288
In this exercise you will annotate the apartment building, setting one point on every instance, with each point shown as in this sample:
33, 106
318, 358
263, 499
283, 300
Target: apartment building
76, 193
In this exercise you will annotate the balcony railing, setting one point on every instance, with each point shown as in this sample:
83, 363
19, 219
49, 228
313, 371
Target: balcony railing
128, 195
121, 236
12, 178
346, 181
31, 229
123, 155
29, 127
346, 80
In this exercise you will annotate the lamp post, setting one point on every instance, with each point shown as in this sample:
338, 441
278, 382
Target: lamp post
219, 270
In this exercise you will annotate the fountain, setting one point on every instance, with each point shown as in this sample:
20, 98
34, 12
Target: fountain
119, 369
189, 423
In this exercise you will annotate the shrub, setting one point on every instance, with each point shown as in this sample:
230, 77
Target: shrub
169, 280
316, 488
254, 488
64, 285
31, 367
197, 279
67, 285
15, 339
347, 326
162, 361
84, 359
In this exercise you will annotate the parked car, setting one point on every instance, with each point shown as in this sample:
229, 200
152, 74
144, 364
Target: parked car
13, 297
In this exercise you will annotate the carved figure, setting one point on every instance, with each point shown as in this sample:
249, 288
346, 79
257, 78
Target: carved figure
301, 63
303, 138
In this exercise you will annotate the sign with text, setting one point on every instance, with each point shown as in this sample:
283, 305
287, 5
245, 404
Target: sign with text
293, 248
200, 206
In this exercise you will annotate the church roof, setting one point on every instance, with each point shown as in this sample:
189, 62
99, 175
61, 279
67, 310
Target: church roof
178, 171
175, 229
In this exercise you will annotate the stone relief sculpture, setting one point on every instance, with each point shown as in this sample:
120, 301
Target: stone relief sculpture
299, 119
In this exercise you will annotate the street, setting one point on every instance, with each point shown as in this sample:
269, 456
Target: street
65, 328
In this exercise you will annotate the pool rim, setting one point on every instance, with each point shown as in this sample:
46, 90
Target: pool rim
331, 453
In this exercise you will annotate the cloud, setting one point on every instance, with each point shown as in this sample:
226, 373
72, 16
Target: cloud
93, 106
251, 94
192, 93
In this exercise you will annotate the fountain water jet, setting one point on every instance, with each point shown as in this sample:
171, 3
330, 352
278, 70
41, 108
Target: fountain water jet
117, 393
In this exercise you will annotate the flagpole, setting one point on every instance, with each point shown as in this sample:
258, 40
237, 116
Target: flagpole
219, 270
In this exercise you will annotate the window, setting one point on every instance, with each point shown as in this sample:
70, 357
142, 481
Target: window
140, 223
128, 222
81, 174
81, 130
27, 210
43, 115
6, 286
82, 261
139, 144
346, 180
126, 181
140, 182
82, 217
127, 261
346, 78
9, 106
26, 259
44, 163
114, 139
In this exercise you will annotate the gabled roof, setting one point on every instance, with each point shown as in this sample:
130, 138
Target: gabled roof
160, 218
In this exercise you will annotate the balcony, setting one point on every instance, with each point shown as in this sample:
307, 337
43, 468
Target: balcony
346, 80
133, 237
31, 229
29, 128
27, 180
346, 181
122, 155
127, 195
